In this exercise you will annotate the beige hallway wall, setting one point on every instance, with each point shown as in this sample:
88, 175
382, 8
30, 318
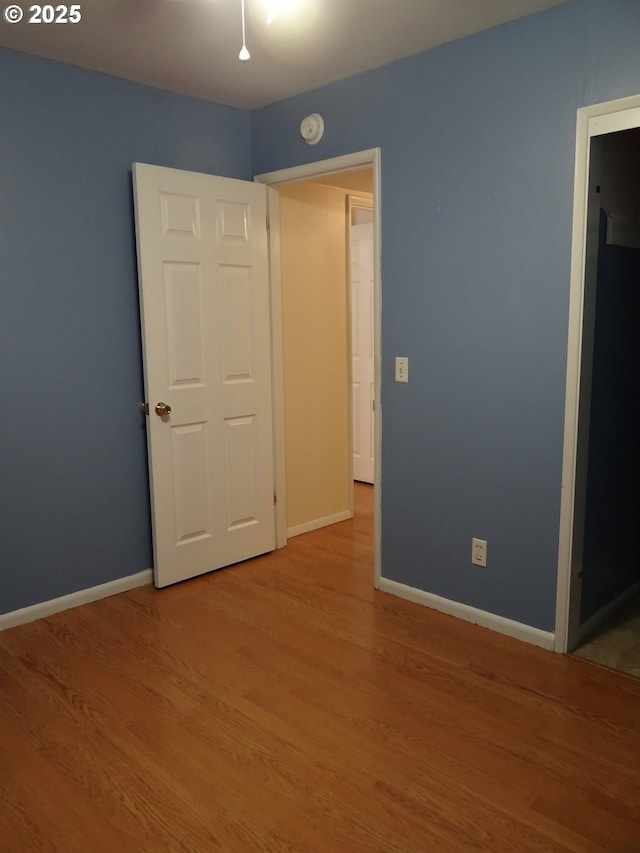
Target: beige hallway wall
316, 352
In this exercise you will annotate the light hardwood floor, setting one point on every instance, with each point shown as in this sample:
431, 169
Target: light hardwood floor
285, 705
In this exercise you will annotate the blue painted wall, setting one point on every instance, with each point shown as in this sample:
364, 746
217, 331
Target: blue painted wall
74, 505
478, 146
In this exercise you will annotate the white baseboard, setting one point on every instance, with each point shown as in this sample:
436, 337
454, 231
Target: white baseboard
600, 616
308, 526
74, 599
519, 630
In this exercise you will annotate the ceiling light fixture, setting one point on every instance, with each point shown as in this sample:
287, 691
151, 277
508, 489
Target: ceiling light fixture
244, 55
277, 8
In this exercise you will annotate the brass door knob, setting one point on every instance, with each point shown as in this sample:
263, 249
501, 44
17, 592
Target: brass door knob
163, 409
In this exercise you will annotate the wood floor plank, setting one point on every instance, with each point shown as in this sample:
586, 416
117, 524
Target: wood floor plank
284, 704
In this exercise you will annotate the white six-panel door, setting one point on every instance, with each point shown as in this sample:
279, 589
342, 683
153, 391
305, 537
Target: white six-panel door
362, 351
204, 298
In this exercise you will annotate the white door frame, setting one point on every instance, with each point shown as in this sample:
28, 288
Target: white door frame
369, 159
596, 120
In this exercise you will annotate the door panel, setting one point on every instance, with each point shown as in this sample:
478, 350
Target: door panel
202, 256
192, 498
238, 324
362, 347
183, 294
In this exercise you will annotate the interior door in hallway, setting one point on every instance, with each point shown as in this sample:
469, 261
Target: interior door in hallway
361, 257
205, 315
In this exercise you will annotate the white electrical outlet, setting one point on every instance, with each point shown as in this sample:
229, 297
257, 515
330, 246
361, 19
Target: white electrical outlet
402, 368
479, 552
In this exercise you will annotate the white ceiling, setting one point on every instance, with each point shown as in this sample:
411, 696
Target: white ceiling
191, 46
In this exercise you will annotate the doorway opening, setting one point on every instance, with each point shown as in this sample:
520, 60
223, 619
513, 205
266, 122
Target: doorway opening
310, 238
598, 571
